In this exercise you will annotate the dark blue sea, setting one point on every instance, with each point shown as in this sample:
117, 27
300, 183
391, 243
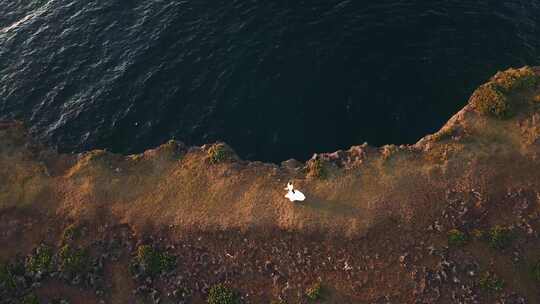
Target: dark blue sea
274, 79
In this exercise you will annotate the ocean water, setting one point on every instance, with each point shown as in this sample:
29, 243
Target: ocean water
274, 79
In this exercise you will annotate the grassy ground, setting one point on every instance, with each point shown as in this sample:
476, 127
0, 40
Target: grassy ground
368, 212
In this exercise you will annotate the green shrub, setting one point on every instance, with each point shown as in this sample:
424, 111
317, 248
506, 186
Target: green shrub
6, 278
153, 261
217, 153
490, 282
220, 294
478, 234
40, 260
314, 292
318, 169
444, 134
71, 233
30, 299
516, 79
456, 238
488, 99
535, 271
73, 260
499, 237
8, 272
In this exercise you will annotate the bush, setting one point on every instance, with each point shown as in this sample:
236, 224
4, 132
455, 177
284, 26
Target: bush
217, 153
318, 169
154, 262
535, 271
488, 99
40, 260
456, 238
70, 233
478, 234
219, 294
8, 272
5, 276
516, 79
73, 260
499, 237
30, 299
490, 282
314, 292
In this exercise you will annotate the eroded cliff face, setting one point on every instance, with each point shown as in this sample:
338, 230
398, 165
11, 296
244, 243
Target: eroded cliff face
475, 173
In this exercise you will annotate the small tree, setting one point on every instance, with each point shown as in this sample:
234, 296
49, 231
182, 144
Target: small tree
314, 292
456, 238
220, 294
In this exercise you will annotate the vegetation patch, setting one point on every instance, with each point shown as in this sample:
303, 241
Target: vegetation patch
8, 273
388, 151
71, 233
218, 153
478, 234
318, 170
30, 299
490, 282
152, 261
41, 260
499, 237
6, 277
535, 271
492, 98
456, 238
516, 79
489, 100
73, 260
314, 292
220, 294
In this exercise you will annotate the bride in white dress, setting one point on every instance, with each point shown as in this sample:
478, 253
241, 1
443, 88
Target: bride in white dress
293, 194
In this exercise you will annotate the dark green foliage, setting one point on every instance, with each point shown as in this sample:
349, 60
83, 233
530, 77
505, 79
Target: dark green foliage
73, 260
456, 238
217, 153
318, 169
499, 237
488, 99
490, 282
478, 234
314, 292
8, 272
493, 98
535, 271
70, 233
30, 299
516, 79
5, 276
40, 260
220, 294
153, 261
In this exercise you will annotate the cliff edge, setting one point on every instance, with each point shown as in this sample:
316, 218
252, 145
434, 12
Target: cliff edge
453, 218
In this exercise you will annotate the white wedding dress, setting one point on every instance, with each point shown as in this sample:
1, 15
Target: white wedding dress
293, 194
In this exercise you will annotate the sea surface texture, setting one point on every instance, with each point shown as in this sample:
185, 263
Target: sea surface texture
274, 79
